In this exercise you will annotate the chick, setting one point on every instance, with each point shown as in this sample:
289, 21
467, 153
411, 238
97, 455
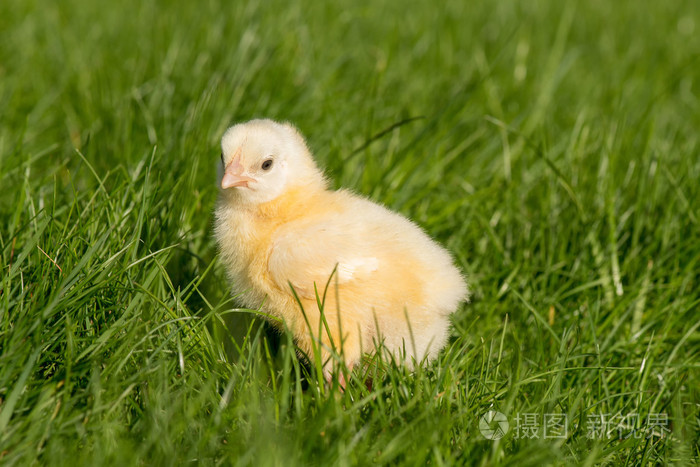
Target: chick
283, 235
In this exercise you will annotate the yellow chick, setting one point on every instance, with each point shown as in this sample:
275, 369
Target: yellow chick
279, 227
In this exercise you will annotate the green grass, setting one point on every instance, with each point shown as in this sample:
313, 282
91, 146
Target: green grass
557, 155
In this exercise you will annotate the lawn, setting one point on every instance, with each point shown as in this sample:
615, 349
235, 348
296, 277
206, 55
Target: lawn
551, 146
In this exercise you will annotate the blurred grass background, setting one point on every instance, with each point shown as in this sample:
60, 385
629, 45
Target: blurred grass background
552, 146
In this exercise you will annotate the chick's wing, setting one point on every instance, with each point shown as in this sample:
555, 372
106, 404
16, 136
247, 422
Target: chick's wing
308, 255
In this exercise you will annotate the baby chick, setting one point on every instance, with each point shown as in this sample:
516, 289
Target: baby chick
282, 232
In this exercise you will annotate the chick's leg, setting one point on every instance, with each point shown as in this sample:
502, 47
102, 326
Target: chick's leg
338, 352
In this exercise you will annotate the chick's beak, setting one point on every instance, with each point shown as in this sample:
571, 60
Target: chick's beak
233, 175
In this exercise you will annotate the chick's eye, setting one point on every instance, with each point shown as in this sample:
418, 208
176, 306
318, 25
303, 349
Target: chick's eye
267, 164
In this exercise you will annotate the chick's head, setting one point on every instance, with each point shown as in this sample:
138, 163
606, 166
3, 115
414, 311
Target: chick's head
261, 159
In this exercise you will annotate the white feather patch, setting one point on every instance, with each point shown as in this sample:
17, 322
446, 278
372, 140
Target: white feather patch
349, 269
